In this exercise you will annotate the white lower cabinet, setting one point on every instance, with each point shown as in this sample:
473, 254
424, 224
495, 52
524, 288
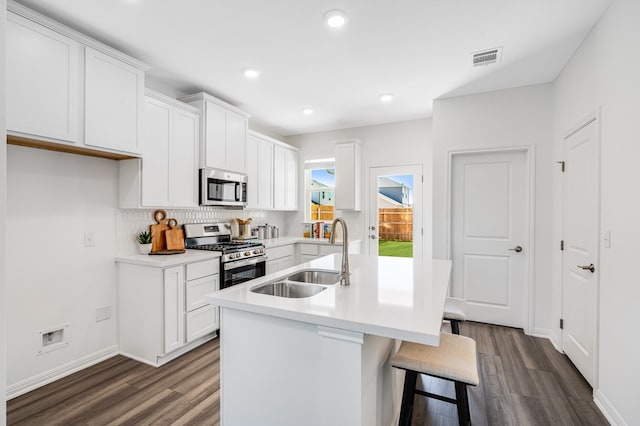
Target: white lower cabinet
310, 252
162, 312
280, 258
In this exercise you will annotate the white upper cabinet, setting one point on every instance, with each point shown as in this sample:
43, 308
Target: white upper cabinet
259, 172
285, 177
167, 174
64, 88
348, 175
113, 97
224, 133
43, 90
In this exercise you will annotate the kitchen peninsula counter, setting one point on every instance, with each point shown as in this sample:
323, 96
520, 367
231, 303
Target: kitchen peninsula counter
324, 359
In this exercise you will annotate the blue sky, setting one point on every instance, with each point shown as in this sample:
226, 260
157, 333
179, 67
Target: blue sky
322, 176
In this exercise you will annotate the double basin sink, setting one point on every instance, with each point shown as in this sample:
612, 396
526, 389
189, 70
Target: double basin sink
299, 285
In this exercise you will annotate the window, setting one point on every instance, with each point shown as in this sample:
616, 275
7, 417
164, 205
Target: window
320, 182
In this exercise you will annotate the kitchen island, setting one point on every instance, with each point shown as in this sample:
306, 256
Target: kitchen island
323, 360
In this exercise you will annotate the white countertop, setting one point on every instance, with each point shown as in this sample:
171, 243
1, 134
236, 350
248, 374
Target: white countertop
391, 297
283, 241
169, 260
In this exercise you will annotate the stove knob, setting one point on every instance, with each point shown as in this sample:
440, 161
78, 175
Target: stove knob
256, 252
247, 253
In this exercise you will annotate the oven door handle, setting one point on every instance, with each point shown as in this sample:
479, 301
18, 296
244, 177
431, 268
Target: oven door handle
244, 262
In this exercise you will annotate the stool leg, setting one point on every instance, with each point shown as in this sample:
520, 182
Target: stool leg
462, 402
455, 326
406, 409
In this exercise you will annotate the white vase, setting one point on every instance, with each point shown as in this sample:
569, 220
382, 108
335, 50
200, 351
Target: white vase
144, 248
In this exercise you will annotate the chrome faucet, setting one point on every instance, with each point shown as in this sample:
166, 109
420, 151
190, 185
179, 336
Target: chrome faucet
344, 273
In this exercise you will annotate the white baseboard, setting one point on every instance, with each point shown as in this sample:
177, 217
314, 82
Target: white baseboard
607, 409
57, 373
546, 333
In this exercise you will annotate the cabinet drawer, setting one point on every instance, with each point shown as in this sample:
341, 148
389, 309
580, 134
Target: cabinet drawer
202, 269
307, 257
329, 249
311, 249
202, 321
196, 289
278, 252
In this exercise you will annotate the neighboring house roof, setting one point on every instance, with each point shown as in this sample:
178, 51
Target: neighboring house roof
385, 182
319, 185
388, 202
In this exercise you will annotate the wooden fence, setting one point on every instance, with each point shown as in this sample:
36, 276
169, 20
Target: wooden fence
395, 224
319, 212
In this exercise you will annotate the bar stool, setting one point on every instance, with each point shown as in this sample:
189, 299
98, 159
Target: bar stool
454, 313
454, 360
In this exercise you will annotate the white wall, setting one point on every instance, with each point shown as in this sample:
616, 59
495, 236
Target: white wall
403, 143
605, 74
3, 204
52, 279
507, 118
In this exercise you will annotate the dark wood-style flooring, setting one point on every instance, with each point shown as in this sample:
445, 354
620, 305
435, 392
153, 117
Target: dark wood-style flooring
523, 381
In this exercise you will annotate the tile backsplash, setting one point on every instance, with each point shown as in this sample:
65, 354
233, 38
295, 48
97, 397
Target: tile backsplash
131, 221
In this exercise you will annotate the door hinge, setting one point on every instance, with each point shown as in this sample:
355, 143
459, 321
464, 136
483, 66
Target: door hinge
561, 324
561, 244
422, 178
562, 165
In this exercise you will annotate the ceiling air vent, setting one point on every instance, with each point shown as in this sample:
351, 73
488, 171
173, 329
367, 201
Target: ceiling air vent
486, 57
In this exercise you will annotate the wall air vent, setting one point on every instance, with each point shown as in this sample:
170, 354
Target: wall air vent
486, 57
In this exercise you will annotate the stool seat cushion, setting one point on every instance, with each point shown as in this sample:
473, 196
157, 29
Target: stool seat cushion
454, 309
453, 359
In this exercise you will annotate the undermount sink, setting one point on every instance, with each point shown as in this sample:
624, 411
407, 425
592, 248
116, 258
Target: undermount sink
288, 289
315, 277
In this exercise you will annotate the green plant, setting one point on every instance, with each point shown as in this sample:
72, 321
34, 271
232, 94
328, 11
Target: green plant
144, 237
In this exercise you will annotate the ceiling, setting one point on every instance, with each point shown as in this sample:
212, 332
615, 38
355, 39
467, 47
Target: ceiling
419, 50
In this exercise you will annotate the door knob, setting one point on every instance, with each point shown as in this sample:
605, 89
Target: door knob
590, 268
373, 228
517, 249
373, 237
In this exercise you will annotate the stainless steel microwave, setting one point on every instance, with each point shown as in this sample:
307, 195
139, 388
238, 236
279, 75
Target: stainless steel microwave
220, 188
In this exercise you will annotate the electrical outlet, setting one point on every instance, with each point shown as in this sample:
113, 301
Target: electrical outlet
89, 240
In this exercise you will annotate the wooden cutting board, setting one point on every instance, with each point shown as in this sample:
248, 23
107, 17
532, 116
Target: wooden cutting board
158, 240
174, 237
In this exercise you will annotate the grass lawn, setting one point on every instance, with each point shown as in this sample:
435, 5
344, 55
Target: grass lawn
395, 248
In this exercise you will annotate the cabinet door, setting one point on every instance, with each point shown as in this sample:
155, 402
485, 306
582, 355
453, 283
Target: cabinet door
173, 308
155, 164
215, 137
253, 176
348, 175
183, 171
236, 142
42, 81
291, 180
285, 175
114, 93
260, 173
202, 321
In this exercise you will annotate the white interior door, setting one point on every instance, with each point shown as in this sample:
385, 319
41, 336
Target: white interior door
580, 255
489, 235
403, 198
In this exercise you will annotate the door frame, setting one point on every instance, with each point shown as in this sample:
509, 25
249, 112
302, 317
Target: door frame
369, 201
530, 155
591, 117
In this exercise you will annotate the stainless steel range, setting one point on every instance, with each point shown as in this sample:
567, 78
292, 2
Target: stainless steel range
240, 261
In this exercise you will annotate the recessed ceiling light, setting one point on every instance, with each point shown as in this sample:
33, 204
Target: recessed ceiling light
251, 73
386, 97
307, 111
335, 18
